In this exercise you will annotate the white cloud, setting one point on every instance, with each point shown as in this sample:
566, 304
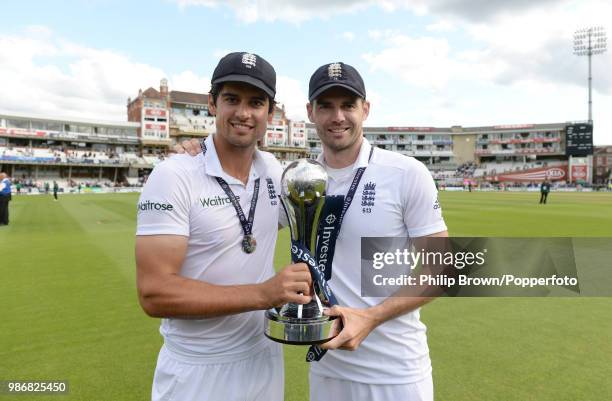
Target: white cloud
541, 49
188, 81
518, 66
423, 62
38, 30
295, 11
535, 43
375, 34
469, 10
377, 105
49, 76
476, 63
441, 26
349, 36
290, 93
92, 83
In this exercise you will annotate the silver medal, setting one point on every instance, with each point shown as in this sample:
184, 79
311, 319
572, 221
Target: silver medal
249, 244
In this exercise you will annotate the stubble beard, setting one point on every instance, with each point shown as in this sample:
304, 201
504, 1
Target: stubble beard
241, 141
341, 145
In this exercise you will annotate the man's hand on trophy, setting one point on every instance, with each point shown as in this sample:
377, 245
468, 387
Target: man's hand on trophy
292, 284
352, 327
191, 146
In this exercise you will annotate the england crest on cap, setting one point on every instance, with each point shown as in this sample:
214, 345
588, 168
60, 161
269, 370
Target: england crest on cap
334, 70
249, 60
246, 67
335, 74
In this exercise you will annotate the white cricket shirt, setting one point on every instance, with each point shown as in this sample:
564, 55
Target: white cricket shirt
182, 197
396, 197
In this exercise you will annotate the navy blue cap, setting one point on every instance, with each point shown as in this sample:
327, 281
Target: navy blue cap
248, 68
335, 74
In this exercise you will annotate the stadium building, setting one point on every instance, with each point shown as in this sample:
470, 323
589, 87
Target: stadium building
525, 153
519, 153
602, 165
70, 151
169, 117
109, 154
432, 146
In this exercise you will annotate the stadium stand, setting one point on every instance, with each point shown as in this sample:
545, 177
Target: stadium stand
93, 152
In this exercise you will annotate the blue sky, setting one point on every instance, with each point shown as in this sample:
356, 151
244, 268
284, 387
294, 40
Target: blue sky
425, 63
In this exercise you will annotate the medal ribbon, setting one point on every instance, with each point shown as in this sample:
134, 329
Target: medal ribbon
327, 232
247, 225
299, 253
315, 353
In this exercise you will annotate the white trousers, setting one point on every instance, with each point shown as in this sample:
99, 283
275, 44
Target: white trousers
256, 378
326, 389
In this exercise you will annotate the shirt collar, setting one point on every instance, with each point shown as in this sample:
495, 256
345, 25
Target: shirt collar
362, 158
213, 165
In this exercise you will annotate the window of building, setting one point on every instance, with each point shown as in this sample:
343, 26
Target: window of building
39, 125
23, 124
53, 126
85, 129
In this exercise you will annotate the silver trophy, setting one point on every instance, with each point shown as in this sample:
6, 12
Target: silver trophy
303, 187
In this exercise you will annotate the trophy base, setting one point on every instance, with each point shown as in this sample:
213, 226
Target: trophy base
293, 331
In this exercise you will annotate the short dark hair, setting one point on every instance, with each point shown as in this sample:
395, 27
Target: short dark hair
215, 89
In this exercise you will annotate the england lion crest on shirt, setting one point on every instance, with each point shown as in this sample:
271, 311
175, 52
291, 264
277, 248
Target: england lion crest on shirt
368, 197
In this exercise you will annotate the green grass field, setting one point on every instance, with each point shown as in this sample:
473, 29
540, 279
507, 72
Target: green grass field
69, 308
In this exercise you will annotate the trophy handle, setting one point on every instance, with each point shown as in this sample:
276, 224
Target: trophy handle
291, 218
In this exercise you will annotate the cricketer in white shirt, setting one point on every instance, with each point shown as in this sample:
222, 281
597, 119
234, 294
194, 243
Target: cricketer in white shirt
182, 197
402, 201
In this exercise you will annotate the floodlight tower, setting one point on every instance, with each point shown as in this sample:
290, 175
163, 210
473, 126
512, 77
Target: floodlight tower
587, 42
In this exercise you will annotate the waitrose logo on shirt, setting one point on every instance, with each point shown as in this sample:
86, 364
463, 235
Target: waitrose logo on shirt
148, 205
217, 201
